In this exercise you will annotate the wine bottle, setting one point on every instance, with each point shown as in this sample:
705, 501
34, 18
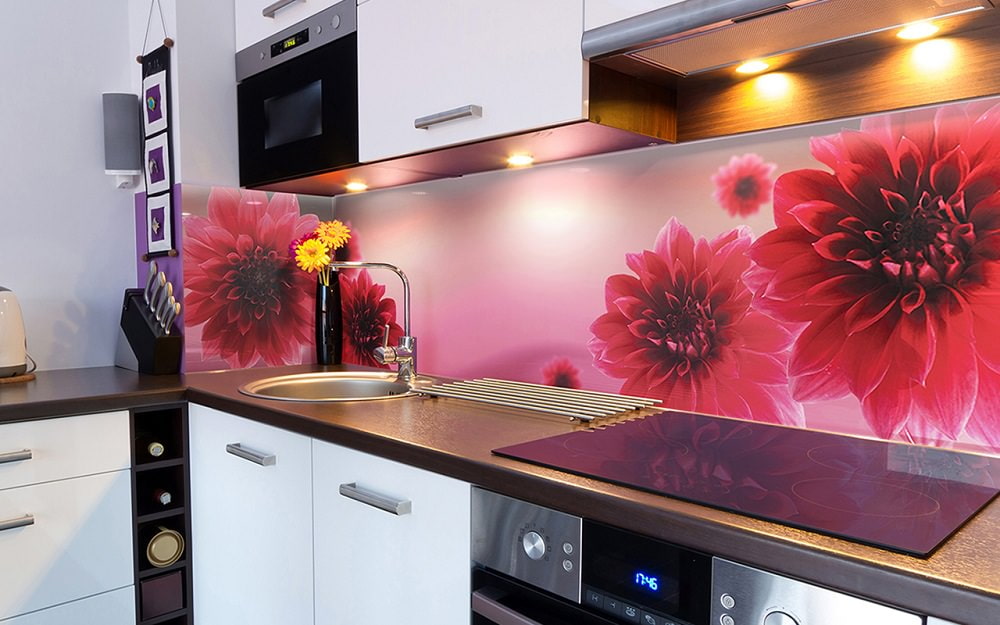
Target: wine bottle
148, 446
162, 497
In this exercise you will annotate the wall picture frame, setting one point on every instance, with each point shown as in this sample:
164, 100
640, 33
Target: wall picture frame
155, 103
159, 218
157, 164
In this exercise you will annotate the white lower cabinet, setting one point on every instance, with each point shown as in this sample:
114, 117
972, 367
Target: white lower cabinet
251, 506
111, 608
392, 541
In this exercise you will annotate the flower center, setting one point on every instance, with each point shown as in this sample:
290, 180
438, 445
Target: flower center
686, 331
926, 245
258, 276
746, 188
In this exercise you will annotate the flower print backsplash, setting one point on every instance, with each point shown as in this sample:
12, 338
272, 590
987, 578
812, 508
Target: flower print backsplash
843, 276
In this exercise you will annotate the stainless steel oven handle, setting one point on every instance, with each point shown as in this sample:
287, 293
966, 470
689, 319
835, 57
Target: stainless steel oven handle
398, 507
469, 110
256, 457
15, 456
271, 9
485, 604
22, 521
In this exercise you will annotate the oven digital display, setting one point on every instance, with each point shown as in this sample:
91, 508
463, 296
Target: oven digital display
289, 43
647, 573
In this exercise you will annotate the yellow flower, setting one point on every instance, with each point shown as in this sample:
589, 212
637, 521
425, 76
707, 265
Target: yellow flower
312, 255
333, 233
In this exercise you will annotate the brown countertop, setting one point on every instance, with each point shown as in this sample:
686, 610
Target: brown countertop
959, 582
67, 392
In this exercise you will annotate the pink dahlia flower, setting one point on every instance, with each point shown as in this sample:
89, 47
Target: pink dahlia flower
240, 282
561, 372
366, 313
891, 259
682, 330
743, 185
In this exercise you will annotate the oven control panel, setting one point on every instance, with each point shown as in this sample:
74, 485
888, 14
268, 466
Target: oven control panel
536, 545
743, 595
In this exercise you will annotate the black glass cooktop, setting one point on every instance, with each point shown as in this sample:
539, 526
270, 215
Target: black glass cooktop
901, 497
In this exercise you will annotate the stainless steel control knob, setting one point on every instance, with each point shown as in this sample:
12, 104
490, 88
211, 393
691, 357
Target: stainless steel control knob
779, 618
534, 545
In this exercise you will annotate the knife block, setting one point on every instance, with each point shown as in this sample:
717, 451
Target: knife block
143, 345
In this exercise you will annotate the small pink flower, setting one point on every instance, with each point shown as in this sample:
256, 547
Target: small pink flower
744, 184
561, 372
366, 313
682, 330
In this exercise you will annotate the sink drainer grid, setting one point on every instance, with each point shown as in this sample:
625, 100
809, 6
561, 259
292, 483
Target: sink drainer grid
572, 403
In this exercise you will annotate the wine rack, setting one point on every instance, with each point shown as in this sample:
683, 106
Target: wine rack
161, 515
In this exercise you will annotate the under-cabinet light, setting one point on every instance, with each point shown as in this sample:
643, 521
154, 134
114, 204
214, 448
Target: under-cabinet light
356, 186
752, 67
917, 30
520, 160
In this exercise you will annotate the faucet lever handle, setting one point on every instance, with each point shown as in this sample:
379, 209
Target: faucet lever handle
385, 337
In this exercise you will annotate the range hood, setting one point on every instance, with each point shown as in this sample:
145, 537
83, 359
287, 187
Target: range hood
698, 36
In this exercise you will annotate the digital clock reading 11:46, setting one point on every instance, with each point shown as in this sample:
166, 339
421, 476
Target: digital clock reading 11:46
646, 581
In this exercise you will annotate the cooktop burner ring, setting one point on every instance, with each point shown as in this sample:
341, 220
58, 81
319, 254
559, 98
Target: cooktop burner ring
827, 485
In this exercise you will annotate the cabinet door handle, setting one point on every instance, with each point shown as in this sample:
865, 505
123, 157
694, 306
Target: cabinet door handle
485, 603
15, 456
394, 506
23, 521
469, 110
271, 9
257, 457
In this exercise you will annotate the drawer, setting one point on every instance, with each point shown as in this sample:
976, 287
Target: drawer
79, 544
111, 608
62, 448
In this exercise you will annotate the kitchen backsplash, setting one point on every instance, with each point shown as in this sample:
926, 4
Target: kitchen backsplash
842, 277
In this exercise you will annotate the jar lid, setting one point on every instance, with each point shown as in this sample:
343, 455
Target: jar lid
165, 548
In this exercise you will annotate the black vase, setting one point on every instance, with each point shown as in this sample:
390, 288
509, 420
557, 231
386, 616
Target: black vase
329, 321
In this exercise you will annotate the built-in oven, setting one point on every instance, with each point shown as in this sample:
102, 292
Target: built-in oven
537, 566
297, 99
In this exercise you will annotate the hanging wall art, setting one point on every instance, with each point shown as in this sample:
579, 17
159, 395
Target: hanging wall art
157, 150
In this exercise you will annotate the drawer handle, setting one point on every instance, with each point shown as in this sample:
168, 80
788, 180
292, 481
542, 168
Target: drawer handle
23, 521
469, 110
271, 9
257, 457
485, 602
394, 506
15, 456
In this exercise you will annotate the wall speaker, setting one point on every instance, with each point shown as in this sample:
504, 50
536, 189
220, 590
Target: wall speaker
122, 141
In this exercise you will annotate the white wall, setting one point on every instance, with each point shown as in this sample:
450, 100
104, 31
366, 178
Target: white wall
66, 234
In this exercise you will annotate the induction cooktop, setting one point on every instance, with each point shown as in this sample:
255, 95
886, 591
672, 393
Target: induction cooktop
905, 498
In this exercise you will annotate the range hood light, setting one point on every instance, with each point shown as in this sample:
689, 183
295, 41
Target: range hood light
752, 67
520, 160
356, 186
918, 30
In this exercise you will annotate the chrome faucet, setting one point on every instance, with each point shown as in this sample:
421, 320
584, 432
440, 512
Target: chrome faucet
403, 355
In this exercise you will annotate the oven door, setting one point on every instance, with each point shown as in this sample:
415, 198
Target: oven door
500, 600
300, 118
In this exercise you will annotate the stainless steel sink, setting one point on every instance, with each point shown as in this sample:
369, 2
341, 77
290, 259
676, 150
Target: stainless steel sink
329, 386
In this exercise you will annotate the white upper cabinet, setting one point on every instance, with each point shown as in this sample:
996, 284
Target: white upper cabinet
499, 67
252, 25
601, 12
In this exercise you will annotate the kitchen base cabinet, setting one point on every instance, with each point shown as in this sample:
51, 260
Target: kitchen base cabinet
391, 541
111, 608
251, 507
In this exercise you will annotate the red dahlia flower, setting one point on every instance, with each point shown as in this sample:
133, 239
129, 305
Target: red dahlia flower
743, 185
561, 372
366, 313
240, 282
891, 261
682, 330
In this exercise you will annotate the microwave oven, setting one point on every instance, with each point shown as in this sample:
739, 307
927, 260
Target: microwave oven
297, 99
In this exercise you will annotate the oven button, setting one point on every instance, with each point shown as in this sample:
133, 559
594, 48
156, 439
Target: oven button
651, 619
594, 599
631, 613
614, 606
727, 601
568, 548
779, 618
725, 619
567, 565
534, 545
